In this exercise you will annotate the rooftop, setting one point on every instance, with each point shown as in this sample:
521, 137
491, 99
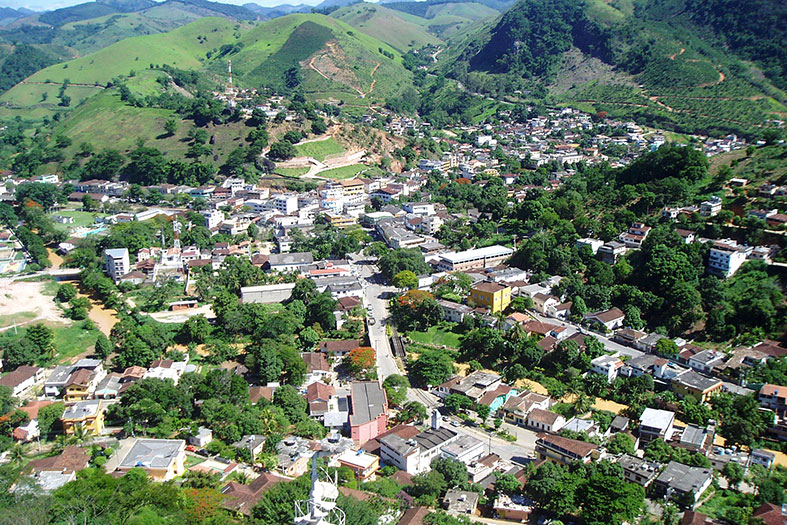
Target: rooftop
368, 401
478, 253
655, 418
683, 477
153, 453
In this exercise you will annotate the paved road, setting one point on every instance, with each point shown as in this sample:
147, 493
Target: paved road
571, 329
372, 296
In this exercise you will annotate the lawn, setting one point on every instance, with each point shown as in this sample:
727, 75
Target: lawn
291, 172
441, 335
81, 219
723, 500
21, 317
192, 461
70, 341
319, 149
346, 172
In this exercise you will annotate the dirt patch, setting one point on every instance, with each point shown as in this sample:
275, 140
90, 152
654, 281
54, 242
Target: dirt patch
579, 68
55, 259
611, 406
17, 297
331, 63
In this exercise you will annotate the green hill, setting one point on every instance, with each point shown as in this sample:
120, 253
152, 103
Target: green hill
387, 25
444, 19
655, 63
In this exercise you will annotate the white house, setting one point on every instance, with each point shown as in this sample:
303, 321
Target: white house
726, 257
606, 365
116, 263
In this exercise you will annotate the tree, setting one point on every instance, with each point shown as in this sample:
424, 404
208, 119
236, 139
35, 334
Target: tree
454, 471
405, 279
734, 474
102, 347
48, 416
457, 402
610, 499
396, 387
66, 292
20, 352
360, 360
620, 444
483, 411
666, 347
395, 261
432, 368
282, 150
507, 484
196, 329
658, 450
412, 411
291, 402
170, 126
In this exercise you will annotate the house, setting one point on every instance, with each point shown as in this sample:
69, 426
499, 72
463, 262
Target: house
494, 296
585, 426
242, 498
251, 443
167, 369
513, 507
162, 459
414, 455
460, 501
478, 258
30, 430
23, 379
465, 449
606, 365
564, 450
288, 262
697, 439
414, 515
726, 257
516, 409
544, 421
628, 336
542, 302
638, 470
88, 415
319, 396
706, 360
611, 252
79, 386
656, 424
53, 472
116, 263
683, 483
696, 385
763, 458
369, 410
476, 384
202, 437
770, 514
639, 366
454, 312
635, 236
609, 319
338, 348
363, 464
710, 207
774, 397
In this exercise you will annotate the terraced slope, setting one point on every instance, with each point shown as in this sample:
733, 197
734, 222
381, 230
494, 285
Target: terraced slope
392, 27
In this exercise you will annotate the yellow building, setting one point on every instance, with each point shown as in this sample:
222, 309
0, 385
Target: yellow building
85, 414
696, 385
162, 459
352, 187
494, 296
341, 221
78, 386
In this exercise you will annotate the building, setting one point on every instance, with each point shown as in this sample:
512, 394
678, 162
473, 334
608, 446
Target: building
706, 360
88, 415
363, 465
726, 257
656, 424
513, 507
53, 472
494, 296
544, 421
473, 259
202, 437
476, 384
516, 409
696, 385
251, 443
116, 263
241, 498
683, 483
564, 450
774, 397
415, 454
465, 449
23, 379
212, 218
454, 312
710, 207
609, 319
368, 410
606, 365
638, 470
162, 459
288, 262
460, 502
286, 204
611, 252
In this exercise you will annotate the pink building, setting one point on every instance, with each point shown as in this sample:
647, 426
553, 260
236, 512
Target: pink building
369, 410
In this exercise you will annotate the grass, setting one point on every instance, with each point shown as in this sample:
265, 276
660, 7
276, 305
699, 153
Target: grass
440, 335
387, 25
722, 500
346, 172
192, 461
70, 341
291, 172
319, 149
81, 219
21, 317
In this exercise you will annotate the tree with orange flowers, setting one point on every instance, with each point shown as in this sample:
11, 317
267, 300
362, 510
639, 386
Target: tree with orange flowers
360, 360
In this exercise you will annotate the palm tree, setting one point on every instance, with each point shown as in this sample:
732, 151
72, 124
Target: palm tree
242, 478
80, 435
16, 454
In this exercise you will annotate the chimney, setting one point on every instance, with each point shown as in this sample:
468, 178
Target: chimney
435, 419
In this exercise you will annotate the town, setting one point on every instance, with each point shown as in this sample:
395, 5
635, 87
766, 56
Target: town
455, 339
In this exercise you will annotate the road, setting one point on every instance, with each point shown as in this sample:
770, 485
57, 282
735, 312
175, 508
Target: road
572, 329
373, 291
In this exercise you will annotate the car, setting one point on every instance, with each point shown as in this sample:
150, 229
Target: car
454, 423
203, 452
446, 418
371, 320
191, 448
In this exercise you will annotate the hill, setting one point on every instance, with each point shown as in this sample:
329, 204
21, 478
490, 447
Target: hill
648, 63
387, 25
444, 19
277, 11
88, 10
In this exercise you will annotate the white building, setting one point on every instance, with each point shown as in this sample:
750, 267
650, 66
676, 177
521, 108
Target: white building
656, 424
710, 207
474, 259
116, 263
286, 204
212, 218
606, 365
726, 256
